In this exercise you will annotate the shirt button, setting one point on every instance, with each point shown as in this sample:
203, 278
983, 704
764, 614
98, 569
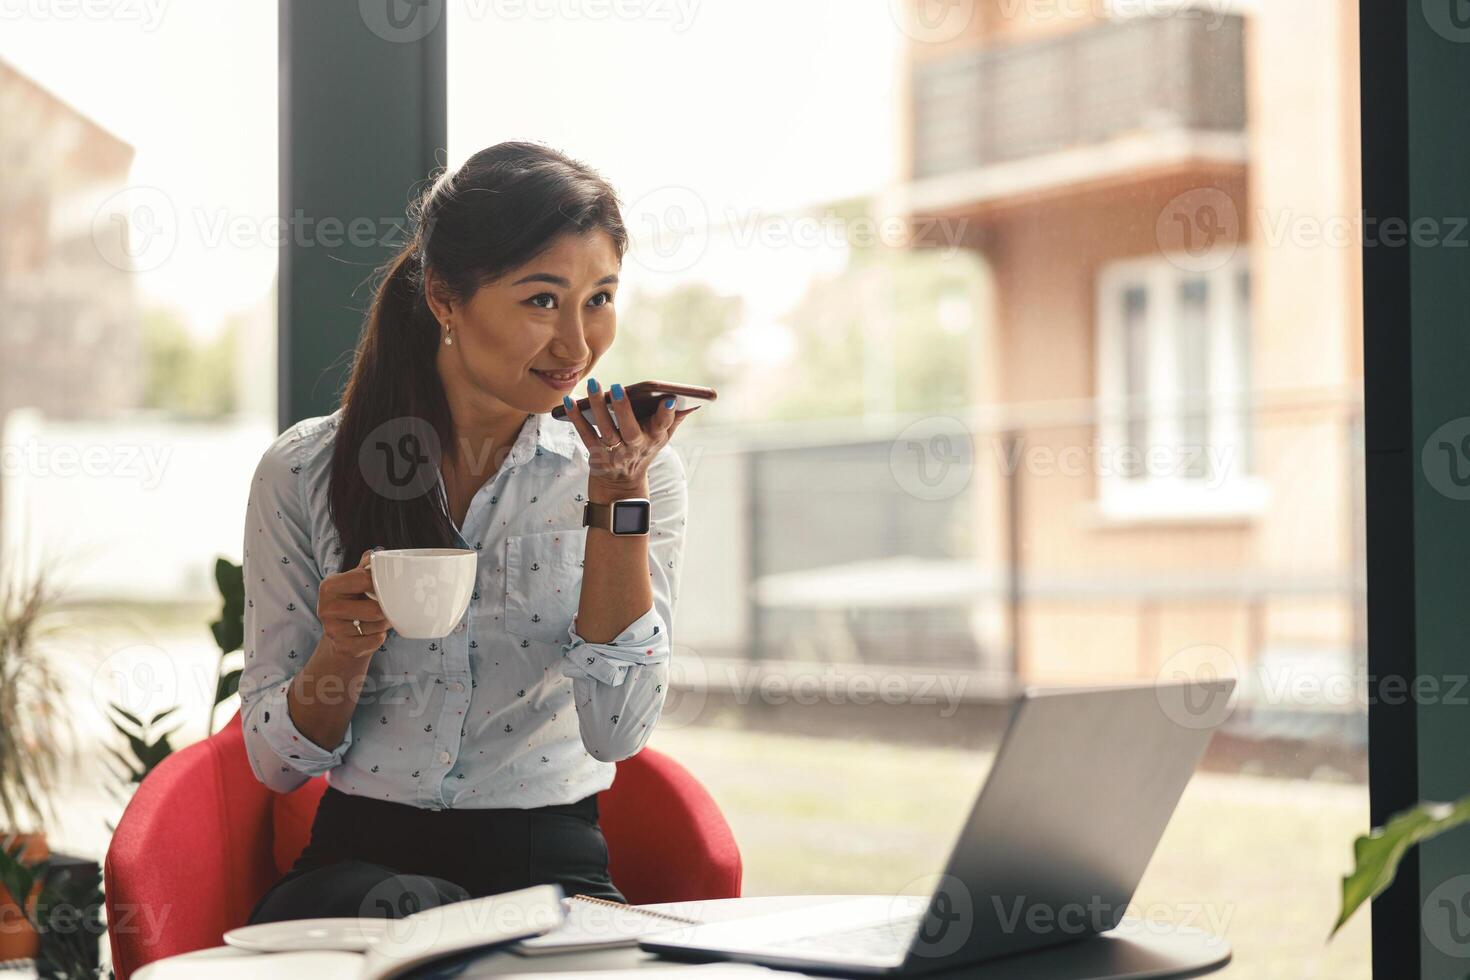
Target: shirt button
459, 628
457, 687
443, 758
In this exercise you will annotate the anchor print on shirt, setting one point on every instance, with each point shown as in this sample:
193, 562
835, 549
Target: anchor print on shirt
557, 566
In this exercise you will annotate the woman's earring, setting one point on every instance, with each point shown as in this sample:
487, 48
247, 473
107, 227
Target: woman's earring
448, 338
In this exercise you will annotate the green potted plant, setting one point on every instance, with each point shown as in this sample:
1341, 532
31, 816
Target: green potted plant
31, 729
1377, 854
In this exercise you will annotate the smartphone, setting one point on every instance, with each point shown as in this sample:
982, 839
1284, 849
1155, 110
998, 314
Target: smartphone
646, 396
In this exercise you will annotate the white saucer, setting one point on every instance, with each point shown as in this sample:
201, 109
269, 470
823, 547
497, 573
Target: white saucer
355, 935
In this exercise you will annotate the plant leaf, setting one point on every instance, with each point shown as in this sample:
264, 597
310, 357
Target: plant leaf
156, 719
126, 714
1377, 854
229, 629
229, 684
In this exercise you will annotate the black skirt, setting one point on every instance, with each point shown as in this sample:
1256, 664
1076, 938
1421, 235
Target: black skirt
379, 859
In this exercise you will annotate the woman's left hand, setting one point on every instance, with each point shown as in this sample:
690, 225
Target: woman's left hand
620, 459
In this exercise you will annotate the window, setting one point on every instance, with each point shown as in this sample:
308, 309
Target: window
1173, 377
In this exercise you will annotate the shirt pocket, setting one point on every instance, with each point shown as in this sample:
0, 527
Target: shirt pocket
543, 583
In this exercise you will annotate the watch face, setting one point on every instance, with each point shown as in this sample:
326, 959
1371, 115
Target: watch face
630, 517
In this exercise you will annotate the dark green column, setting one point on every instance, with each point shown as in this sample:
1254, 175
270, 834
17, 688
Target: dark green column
362, 120
1416, 150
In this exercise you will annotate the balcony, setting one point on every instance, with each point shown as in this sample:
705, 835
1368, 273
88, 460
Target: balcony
999, 120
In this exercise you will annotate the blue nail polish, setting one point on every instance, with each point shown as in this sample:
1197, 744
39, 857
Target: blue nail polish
592, 386
617, 392
668, 403
566, 401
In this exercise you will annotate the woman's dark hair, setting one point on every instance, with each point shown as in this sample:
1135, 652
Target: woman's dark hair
502, 208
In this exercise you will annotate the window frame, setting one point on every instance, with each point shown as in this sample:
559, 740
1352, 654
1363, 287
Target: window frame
1239, 494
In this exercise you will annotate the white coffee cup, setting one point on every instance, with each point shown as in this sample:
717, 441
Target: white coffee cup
423, 591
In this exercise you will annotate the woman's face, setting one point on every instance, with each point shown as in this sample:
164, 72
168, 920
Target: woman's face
554, 315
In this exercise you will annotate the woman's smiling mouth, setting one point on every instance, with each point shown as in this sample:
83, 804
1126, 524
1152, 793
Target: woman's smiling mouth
559, 380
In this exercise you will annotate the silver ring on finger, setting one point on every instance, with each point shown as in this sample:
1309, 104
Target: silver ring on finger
358, 624
613, 446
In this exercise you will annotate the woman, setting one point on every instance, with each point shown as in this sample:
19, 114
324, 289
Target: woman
469, 765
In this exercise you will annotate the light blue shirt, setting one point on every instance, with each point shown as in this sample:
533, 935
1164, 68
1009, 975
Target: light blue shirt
513, 708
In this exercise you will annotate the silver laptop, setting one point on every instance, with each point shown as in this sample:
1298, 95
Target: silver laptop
1083, 784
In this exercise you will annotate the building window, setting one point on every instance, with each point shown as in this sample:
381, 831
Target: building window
1173, 388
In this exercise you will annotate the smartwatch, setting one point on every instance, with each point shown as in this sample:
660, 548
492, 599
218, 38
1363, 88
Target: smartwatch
628, 516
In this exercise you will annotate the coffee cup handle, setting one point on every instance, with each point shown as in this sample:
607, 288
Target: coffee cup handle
369, 592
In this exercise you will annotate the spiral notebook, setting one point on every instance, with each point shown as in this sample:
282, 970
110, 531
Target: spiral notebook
596, 923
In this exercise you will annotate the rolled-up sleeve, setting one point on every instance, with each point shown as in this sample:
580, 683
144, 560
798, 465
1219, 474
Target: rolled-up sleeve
281, 627
620, 685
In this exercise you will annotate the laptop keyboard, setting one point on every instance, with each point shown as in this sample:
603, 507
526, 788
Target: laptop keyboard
890, 938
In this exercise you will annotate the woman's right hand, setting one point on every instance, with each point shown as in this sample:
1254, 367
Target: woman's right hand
342, 598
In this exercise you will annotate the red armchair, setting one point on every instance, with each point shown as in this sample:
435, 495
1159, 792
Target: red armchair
202, 840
